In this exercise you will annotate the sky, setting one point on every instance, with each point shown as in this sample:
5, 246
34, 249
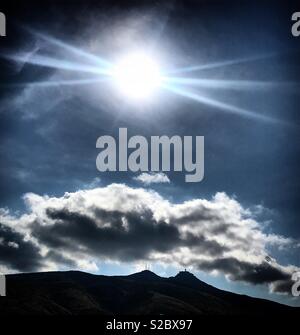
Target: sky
234, 78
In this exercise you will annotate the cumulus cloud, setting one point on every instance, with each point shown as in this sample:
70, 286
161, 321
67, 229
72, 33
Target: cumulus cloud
152, 178
121, 223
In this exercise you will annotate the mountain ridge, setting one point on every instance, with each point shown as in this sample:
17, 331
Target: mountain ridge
141, 293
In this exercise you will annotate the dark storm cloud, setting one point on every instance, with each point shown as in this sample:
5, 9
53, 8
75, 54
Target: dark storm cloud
199, 243
263, 273
199, 214
282, 286
16, 253
129, 236
124, 236
57, 258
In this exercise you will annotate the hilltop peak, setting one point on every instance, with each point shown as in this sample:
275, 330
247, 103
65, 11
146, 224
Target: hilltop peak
145, 275
189, 279
186, 275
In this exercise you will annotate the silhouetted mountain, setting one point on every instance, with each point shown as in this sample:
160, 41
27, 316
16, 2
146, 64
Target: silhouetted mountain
188, 279
143, 293
145, 275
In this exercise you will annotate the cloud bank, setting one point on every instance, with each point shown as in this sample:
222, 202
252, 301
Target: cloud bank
121, 223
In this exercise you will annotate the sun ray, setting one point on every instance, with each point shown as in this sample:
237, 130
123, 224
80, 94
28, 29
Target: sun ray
220, 105
46, 61
54, 83
220, 64
229, 84
76, 51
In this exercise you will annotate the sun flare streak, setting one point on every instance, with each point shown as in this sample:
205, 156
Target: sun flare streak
55, 83
229, 84
70, 48
50, 62
218, 104
215, 65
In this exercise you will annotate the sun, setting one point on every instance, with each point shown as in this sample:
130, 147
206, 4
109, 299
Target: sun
137, 76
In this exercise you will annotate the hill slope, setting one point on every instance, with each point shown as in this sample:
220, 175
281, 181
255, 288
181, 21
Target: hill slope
143, 293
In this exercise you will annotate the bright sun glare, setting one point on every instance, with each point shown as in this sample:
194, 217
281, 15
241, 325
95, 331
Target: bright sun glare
137, 76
